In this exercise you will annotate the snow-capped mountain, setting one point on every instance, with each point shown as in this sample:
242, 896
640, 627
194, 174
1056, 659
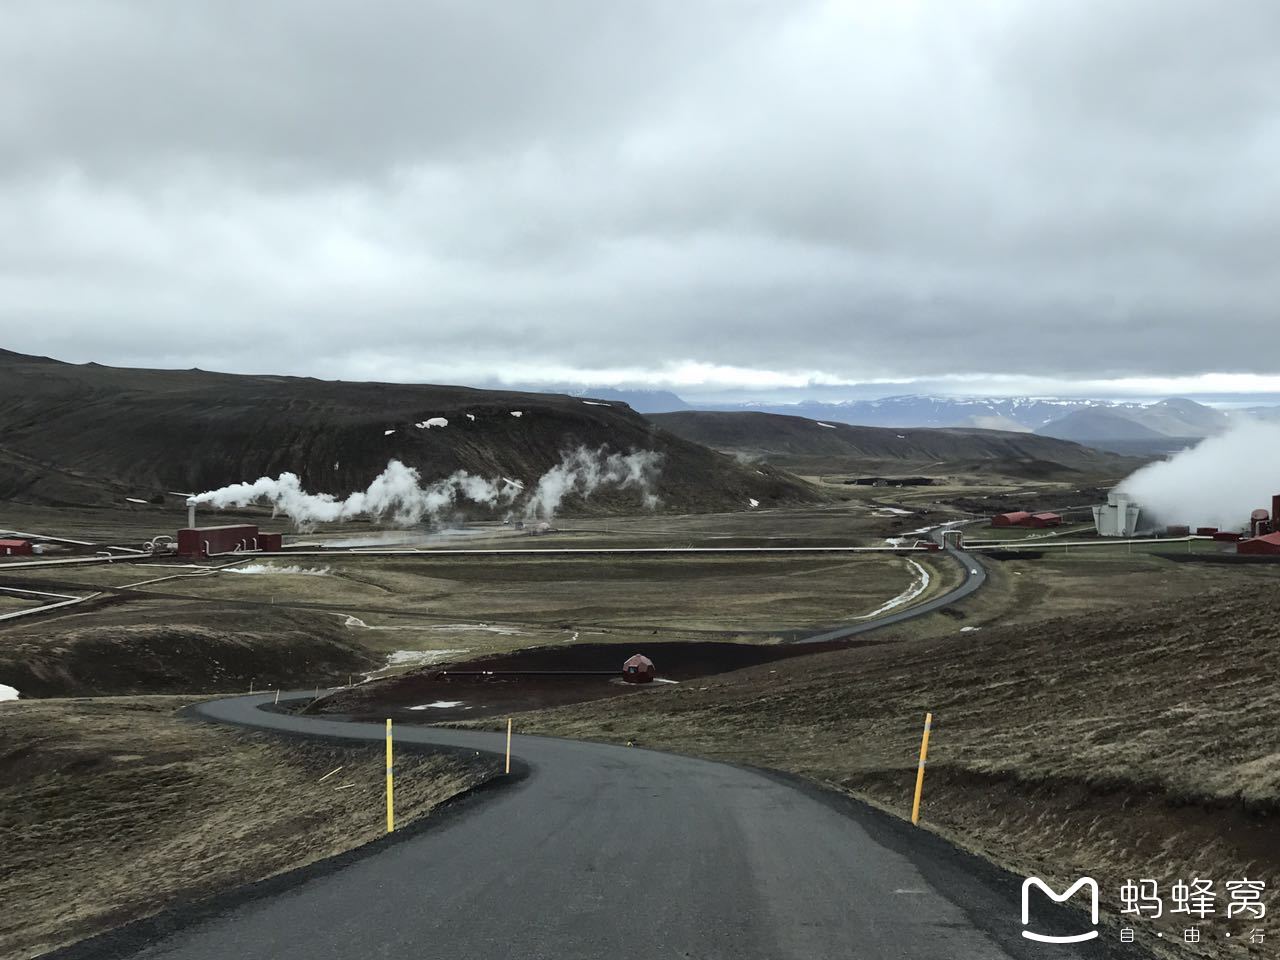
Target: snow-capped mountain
1024, 414
1124, 425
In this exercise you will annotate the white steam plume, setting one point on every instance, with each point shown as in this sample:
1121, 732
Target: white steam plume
1218, 482
584, 471
399, 495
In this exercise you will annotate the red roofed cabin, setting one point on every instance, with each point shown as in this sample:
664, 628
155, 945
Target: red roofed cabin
211, 541
1044, 520
1266, 545
12, 548
1018, 518
639, 669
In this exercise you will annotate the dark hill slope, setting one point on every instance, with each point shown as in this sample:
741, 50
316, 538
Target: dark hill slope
88, 434
799, 441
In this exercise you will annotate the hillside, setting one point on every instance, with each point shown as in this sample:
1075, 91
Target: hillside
797, 441
1098, 426
89, 434
1053, 750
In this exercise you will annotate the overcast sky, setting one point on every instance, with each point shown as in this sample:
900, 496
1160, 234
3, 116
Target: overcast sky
1046, 196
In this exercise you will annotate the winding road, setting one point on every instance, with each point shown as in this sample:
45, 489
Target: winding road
975, 575
596, 851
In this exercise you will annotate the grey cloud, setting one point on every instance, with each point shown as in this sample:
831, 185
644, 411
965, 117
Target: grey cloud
439, 190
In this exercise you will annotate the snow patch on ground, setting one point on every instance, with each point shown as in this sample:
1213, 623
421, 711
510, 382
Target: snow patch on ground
387, 433
355, 623
917, 587
596, 403
470, 627
432, 422
8, 693
416, 658
829, 426
969, 629
753, 503
272, 568
909, 535
892, 512
900, 436
438, 705
517, 413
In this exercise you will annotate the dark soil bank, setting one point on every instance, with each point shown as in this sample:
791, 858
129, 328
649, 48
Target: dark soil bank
547, 676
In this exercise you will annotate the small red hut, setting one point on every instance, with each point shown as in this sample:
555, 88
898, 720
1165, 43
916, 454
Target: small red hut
639, 669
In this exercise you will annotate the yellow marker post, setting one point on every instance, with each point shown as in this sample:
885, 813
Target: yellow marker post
508, 744
924, 754
391, 790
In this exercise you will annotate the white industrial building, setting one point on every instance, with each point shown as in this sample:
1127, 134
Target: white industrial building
1118, 517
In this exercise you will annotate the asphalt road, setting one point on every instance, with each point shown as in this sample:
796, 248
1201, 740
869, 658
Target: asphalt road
974, 577
598, 851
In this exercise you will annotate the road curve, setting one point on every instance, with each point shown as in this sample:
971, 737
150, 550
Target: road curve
975, 575
603, 851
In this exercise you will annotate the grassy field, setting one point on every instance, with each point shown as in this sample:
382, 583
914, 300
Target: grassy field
345, 616
162, 646
114, 809
1135, 743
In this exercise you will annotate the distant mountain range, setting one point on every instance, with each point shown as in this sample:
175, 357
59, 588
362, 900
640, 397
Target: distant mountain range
1120, 426
1129, 427
823, 446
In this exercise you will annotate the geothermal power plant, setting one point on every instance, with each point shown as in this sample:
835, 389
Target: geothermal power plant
1258, 534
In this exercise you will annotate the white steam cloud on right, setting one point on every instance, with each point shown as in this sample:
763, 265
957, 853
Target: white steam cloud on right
1218, 482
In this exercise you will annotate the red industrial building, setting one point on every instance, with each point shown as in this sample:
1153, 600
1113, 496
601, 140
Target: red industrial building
1044, 520
1264, 532
1266, 545
13, 548
639, 669
1206, 531
1018, 518
233, 538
